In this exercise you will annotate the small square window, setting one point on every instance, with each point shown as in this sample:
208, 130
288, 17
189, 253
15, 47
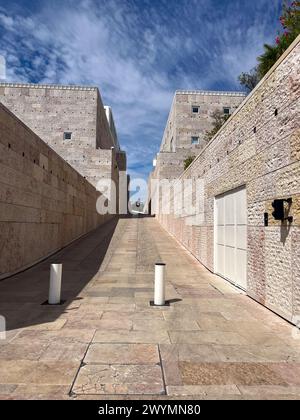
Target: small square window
227, 111
67, 135
195, 140
195, 109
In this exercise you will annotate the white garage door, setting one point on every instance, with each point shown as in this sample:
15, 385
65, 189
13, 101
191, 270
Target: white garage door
231, 236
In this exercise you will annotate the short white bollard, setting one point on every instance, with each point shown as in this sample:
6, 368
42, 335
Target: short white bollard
159, 286
2, 328
55, 284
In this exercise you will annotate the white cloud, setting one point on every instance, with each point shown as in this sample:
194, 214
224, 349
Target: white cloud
6, 21
137, 63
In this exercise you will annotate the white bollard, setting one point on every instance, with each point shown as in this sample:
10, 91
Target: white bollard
159, 286
55, 284
2, 328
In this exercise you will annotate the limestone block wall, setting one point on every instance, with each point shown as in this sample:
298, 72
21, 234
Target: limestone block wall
44, 203
50, 111
182, 123
259, 147
170, 165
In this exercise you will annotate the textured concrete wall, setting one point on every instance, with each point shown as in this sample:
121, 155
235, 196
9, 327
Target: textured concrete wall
44, 203
52, 110
258, 148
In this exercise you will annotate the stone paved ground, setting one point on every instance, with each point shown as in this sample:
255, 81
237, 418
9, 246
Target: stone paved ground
107, 342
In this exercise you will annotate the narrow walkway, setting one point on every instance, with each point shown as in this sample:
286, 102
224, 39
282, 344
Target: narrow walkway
106, 341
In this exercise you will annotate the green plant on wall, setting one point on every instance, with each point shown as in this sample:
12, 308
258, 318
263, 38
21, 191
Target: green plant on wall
249, 80
290, 21
218, 120
188, 161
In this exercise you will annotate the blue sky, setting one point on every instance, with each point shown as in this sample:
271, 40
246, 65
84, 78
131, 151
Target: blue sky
138, 52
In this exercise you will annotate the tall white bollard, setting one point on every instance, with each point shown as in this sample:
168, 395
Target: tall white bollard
159, 286
55, 284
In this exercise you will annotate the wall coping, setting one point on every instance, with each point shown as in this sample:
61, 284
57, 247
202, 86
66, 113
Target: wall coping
247, 99
209, 93
46, 86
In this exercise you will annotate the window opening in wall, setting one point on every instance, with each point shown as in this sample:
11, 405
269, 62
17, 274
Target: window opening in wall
195, 140
227, 110
67, 135
195, 109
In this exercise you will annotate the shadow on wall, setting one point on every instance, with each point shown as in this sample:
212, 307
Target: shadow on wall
22, 295
286, 225
284, 231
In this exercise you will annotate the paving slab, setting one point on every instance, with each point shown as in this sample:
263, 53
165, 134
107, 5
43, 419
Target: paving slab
31, 351
246, 374
35, 372
162, 325
122, 354
121, 336
64, 352
66, 335
207, 337
40, 392
119, 380
133, 316
211, 342
209, 391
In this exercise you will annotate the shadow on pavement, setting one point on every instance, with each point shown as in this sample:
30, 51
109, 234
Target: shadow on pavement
22, 295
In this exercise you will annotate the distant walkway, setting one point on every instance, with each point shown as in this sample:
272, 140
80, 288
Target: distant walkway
107, 342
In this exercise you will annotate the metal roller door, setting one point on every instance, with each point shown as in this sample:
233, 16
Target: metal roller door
231, 236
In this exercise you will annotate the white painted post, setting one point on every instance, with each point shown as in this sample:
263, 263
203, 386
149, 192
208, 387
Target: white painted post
2, 328
55, 284
159, 286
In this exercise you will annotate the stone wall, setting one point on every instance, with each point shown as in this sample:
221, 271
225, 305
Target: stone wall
104, 136
111, 123
51, 110
44, 203
259, 147
170, 165
183, 123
